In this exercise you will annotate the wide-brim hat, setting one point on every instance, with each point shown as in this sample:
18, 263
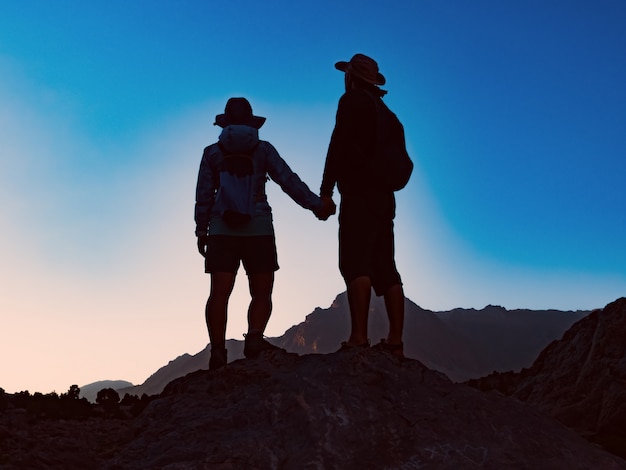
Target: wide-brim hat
363, 67
239, 111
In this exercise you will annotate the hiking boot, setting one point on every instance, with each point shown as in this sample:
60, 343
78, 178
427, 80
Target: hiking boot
396, 350
255, 344
218, 358
345, 346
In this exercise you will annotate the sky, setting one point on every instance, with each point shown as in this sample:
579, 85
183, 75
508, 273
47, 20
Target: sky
514, 114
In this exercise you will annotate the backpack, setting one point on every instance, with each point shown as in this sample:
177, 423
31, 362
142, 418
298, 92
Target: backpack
392, 165
235, 194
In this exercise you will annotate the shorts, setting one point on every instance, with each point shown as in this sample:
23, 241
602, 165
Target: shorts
225, 252
366, 243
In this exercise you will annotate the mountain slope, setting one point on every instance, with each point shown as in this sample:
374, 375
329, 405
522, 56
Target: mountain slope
462, 344
579, 379
90, 391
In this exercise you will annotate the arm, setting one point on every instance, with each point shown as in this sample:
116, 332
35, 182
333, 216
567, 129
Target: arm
352, 143
289, 181
205, 197
329, 177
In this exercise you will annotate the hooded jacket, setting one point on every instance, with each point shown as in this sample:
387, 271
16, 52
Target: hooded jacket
267, 162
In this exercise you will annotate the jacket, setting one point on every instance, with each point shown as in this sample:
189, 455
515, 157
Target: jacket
267, 162
352, 145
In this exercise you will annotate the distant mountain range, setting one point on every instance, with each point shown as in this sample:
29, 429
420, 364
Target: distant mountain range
90, 391
462, 343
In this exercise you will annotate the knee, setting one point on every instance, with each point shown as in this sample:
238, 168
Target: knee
262, 297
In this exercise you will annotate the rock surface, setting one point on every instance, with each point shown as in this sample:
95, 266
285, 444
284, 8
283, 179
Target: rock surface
356, 409
580, 379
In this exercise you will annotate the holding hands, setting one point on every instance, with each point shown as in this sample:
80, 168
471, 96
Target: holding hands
326, 209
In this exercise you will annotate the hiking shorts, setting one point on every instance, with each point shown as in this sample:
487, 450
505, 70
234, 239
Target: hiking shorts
366, 243
225, 252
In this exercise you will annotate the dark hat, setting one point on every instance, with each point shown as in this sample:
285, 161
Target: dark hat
238, 111
363, 67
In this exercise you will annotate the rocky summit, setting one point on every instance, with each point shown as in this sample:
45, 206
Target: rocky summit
345, 410
580, 379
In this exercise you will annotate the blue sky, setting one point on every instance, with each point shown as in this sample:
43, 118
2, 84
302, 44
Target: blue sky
514, 113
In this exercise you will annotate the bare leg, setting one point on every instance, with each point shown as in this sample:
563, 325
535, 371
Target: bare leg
261, 286
359, 294
394, 302
216, 307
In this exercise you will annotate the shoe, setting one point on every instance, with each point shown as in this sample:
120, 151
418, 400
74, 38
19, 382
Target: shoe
218, 358
255, 344
345, 346
396, 350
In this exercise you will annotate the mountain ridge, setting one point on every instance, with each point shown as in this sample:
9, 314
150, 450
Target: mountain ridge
438, 339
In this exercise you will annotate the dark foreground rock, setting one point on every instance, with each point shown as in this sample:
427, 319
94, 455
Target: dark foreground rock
345, 410
580, 379
361, 409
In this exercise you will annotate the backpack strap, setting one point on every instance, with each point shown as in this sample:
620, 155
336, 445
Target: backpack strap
249, 152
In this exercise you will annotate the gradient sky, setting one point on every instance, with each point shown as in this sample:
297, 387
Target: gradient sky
514, 114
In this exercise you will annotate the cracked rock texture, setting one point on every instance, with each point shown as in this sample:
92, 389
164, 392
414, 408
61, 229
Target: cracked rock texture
361, 409
580, 379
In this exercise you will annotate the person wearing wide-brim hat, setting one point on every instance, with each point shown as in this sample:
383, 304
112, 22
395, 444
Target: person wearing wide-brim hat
239, 111
366, 239
227, 237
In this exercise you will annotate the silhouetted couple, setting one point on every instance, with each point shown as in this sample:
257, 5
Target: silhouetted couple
234, 220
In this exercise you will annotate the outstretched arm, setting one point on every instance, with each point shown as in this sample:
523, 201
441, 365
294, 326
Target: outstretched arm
290, 182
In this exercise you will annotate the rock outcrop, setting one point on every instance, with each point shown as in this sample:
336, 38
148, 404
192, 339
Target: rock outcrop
580, 379
356, 409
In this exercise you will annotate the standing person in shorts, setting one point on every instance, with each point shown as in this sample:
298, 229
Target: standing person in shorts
366, 238
225, 241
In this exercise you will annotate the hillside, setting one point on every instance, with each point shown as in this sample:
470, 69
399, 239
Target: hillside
580, 379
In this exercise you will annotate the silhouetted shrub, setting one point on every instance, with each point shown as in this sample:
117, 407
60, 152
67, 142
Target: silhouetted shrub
107, 397
109, 400
73, 393
21, 399
129, 400
72, 406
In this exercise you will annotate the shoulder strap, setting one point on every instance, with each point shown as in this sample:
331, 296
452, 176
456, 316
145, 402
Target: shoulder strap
248, 152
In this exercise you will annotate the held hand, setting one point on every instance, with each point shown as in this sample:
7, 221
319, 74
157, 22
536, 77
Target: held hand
203, 241
327, 208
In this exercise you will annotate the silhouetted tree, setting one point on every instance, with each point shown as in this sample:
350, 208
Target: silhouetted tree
135, 405
21, 399
129, 400
73, 393
109, 399
72, 406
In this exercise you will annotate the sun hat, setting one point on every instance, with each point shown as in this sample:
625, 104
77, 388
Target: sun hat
363, 67
238, 111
